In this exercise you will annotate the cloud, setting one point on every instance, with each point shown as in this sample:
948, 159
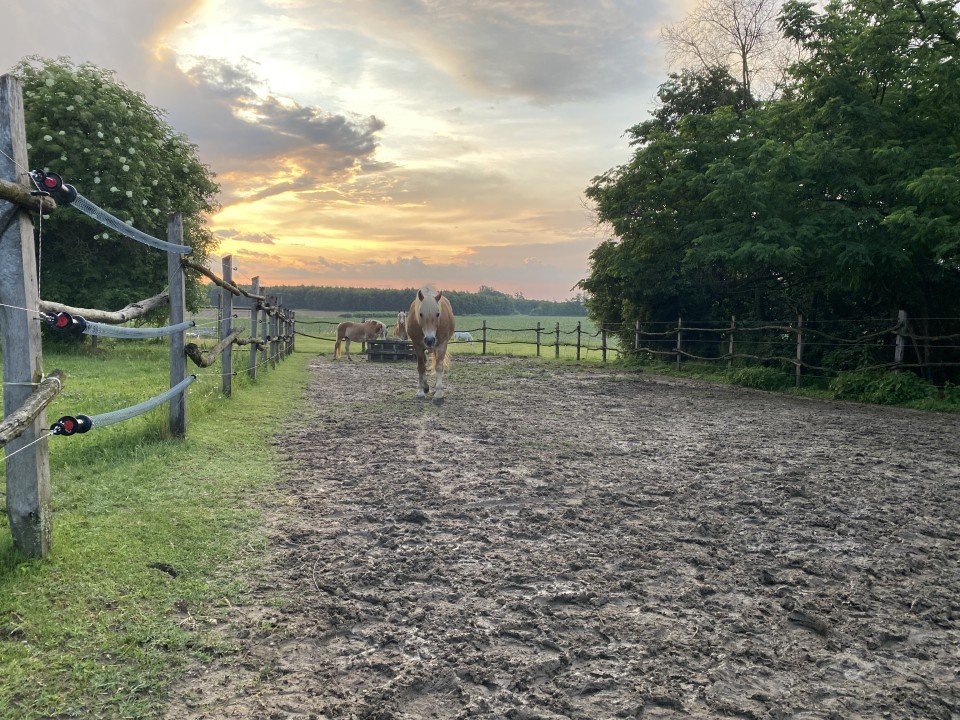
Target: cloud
245, 237
546, 51
266, 145
363, 140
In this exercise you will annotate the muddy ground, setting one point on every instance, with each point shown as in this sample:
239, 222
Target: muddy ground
561, 542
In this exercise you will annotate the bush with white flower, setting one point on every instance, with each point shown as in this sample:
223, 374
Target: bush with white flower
84, 124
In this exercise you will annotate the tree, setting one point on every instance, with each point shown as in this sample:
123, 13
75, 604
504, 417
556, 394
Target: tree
740, 35
840, 199
116, 149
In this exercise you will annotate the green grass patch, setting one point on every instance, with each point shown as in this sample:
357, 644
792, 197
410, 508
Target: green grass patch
150, 535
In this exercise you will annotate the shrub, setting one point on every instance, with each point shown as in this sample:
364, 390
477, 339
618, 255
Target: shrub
761, 378
881, 387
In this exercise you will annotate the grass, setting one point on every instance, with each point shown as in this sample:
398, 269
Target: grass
149, 535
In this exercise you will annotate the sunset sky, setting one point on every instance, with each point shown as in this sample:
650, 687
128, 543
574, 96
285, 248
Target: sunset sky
385, 143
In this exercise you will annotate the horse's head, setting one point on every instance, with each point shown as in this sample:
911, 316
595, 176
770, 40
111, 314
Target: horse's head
428, 315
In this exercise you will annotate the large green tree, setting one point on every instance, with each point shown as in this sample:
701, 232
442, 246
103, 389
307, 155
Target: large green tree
117, 151
840, 199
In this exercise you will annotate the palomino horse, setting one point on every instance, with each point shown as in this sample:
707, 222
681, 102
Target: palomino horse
430, 326
400, 329
358, 332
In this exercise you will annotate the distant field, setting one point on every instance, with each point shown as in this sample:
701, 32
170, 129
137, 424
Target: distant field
505, 334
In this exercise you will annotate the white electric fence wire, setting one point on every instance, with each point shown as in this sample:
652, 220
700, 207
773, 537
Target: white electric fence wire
105, 218
127, 413
43, 435
117, 331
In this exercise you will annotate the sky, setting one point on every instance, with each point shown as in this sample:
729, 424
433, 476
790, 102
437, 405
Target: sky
385, 143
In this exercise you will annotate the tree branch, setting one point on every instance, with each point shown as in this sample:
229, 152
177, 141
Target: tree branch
130, 312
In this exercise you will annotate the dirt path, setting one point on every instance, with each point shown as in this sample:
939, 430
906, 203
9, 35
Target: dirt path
560, 543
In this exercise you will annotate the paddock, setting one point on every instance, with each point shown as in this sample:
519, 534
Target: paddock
582, 542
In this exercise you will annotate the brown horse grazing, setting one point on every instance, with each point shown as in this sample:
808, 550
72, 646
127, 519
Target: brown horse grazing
400, 329
430, 326
358, 332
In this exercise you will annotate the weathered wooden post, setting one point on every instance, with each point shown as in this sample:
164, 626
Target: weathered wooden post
178, 306
636, 336
28, 462
274, 330
226, 327
557, 352
254, 307
799, 349
679, 340
264, 329
901, 329
292, 347
578, 340
603, 341
483, 350
733, 326
538, 338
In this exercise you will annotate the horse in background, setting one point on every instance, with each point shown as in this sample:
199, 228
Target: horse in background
430, 325
357, 332
400, 329
463, 336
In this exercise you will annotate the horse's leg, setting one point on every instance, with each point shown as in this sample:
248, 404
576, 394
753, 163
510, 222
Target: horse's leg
346, 342
422, 387
439, 353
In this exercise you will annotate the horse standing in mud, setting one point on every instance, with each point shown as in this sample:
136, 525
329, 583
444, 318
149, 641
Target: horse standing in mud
358, 332
430, 325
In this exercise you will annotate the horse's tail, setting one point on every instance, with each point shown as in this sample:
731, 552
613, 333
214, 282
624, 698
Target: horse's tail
336, 349
432, 361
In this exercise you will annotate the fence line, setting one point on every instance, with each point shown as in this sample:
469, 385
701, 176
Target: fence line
798, 345
27, 392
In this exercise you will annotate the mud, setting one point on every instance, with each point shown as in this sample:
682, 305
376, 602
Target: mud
555, 542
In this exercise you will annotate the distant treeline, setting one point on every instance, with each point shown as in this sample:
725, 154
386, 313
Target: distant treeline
486, 301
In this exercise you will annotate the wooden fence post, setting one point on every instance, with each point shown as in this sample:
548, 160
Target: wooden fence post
292, 327
799, 348
603, 341
483, 350
901, 328
636, 337
538, 338
578, 340
679, 339
557, 353
254, 307
733, 327
226, 327
274, 330
264, 325
28, 461
178, 307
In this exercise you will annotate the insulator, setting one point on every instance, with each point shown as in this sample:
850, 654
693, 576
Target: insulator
68, 323
68, 193
47, 180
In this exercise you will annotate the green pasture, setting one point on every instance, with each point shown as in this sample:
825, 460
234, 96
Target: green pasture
505, 334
